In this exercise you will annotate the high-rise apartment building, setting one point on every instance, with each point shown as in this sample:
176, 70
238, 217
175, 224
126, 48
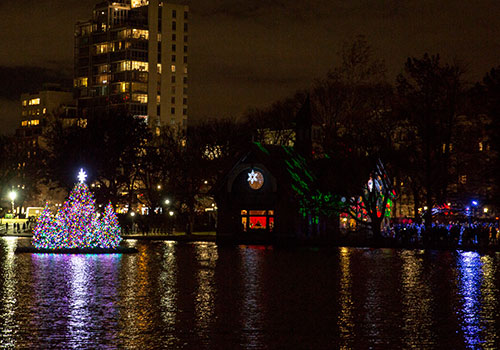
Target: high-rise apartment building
37, 108
133, 56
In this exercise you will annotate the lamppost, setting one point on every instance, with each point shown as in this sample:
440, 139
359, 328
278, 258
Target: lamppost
12, 196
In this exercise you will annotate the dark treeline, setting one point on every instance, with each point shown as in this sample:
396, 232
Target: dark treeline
436, 134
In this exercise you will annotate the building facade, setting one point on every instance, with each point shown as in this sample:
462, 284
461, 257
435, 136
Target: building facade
133, 56
37, 108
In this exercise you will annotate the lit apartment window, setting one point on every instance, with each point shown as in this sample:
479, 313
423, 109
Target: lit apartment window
34, 101
102, 48
81, 82
172, 68
24, 123
159, 37
140, 34
185, 70
480, 146
124, 87
25, 102
142, 98
44, 111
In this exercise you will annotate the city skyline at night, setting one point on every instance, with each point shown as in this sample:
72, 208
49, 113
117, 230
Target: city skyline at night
245, 55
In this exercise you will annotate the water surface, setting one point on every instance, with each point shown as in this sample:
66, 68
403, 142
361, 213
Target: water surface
200, 296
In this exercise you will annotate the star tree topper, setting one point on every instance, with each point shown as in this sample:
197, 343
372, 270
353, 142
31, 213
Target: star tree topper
82, 175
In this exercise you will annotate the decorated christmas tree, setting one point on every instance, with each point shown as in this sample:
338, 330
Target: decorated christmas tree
77, 224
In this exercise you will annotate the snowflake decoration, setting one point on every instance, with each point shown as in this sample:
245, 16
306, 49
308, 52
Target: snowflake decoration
252, 177
82, 175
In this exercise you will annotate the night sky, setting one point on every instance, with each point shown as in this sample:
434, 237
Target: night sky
247, 54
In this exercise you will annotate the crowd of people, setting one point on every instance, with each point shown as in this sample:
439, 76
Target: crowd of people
466, 234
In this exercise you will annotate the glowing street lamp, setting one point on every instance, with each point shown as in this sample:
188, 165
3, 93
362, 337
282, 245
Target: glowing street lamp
171, 213
12, 196
167, 201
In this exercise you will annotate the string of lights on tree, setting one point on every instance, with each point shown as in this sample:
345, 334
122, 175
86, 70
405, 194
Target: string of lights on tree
77, 224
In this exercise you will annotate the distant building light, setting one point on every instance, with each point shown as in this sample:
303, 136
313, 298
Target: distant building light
485, 210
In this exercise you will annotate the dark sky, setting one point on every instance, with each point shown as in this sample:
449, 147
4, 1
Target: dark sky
249, 53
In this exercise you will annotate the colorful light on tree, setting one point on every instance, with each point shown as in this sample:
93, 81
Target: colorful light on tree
77, 224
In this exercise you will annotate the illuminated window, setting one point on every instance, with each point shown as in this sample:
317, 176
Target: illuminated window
158, 67
103, 68
24, 113
139, 3
132, 65
25, 102
480, 146
185, 70
124, 87
102, 48
143, 98
172, 68
34, 101
44, 111
158, 37
81, 82
102, 79
260, 220
140, 34
24, 123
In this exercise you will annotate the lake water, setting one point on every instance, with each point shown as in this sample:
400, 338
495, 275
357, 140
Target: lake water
200, 296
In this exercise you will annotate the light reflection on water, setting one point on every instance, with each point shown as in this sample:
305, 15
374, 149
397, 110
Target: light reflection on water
200, 296
417, 300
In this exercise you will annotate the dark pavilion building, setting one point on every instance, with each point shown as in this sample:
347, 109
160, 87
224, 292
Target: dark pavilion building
272, 195
280, 193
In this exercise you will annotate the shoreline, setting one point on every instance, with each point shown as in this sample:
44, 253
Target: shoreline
311, 243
